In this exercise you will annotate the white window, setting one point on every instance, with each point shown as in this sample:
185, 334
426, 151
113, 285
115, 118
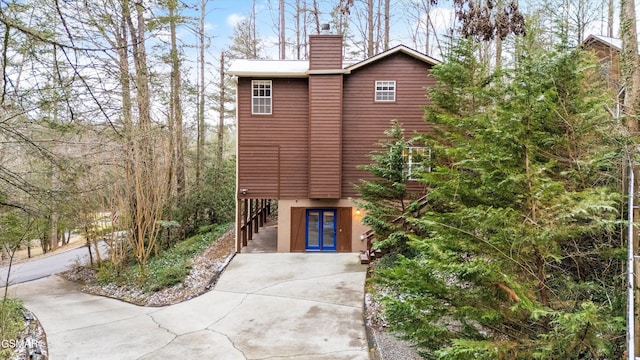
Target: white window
385, 91
416, 161
261, 97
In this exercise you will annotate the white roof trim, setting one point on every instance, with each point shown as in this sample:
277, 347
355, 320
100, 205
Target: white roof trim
271, 68
300, 68
400, 48
613, 42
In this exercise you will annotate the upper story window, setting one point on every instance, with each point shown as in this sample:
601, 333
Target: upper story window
416, 161
385, 91
261, 97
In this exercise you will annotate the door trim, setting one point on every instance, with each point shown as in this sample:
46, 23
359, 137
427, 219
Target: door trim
321, 230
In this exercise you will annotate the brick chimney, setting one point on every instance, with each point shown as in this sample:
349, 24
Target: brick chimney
325, 52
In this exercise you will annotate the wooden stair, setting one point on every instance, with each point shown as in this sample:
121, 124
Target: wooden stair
369, 255
366, 257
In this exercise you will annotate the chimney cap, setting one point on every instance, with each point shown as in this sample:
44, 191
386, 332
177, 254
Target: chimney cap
325, 28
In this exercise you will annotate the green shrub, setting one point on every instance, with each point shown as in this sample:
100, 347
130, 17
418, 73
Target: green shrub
11, 323
168, 269
107, 273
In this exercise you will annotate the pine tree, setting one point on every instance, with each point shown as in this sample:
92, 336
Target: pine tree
514, 257
385, 198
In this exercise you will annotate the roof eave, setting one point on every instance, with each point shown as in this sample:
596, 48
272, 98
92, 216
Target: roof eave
267, 74
594, 38
401, 48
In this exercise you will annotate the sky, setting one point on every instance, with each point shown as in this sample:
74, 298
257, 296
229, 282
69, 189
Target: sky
222, 15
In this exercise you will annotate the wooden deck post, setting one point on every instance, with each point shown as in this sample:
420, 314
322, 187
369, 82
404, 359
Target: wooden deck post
244, 222
238, 226
261, 213
256, 211
250, 220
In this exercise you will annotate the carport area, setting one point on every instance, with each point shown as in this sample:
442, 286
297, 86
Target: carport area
265, 240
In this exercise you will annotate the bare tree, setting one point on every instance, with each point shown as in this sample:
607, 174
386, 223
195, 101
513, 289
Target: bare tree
387, 19
316, 16
420, 27
579, 14
610, 11
370, 28
221, 110
201, 98
175, 105
245, 42
630, 63
282, 32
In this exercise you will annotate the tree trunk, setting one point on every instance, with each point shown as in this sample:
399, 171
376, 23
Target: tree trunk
298, 30
200, 131
175, 103
53, 218
221, 122
53, 234
316, 16
386, 24
97, 249
254, 32
142, 72
499, 43
369, 28
305, 20
283, 34
630, 63
610, 19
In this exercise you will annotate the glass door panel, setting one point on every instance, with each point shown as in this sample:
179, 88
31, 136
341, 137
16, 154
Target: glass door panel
321, 230
313, 229
329, 230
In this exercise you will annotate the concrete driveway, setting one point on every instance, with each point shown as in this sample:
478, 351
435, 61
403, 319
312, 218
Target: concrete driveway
275, 306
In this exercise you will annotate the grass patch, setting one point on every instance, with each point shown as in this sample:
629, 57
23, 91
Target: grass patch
168, 269
11, 325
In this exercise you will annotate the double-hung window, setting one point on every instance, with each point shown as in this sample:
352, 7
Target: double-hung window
261, 97
416, 161
386, 90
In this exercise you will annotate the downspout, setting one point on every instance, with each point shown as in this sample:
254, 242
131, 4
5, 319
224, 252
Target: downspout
631, 351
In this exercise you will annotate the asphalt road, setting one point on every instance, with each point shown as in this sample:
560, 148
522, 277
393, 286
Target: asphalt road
46, 266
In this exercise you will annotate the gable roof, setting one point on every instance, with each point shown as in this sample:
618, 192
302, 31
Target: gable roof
609, 41
300, 68
397, 49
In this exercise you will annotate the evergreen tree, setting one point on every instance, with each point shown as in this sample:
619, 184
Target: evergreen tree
515, 256
385, 198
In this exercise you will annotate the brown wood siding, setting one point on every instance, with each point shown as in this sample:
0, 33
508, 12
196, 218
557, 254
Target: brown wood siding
609, 59
364, 120
325, 52
325, 136
298, 229
286, 128
261, 171
344, 230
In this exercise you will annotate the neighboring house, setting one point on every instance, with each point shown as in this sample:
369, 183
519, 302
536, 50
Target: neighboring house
607, 51
304, 127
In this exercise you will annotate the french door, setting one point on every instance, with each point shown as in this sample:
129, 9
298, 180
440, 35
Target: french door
321, 230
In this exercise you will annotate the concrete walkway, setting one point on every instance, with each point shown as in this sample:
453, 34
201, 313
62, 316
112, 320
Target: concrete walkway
275, 306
